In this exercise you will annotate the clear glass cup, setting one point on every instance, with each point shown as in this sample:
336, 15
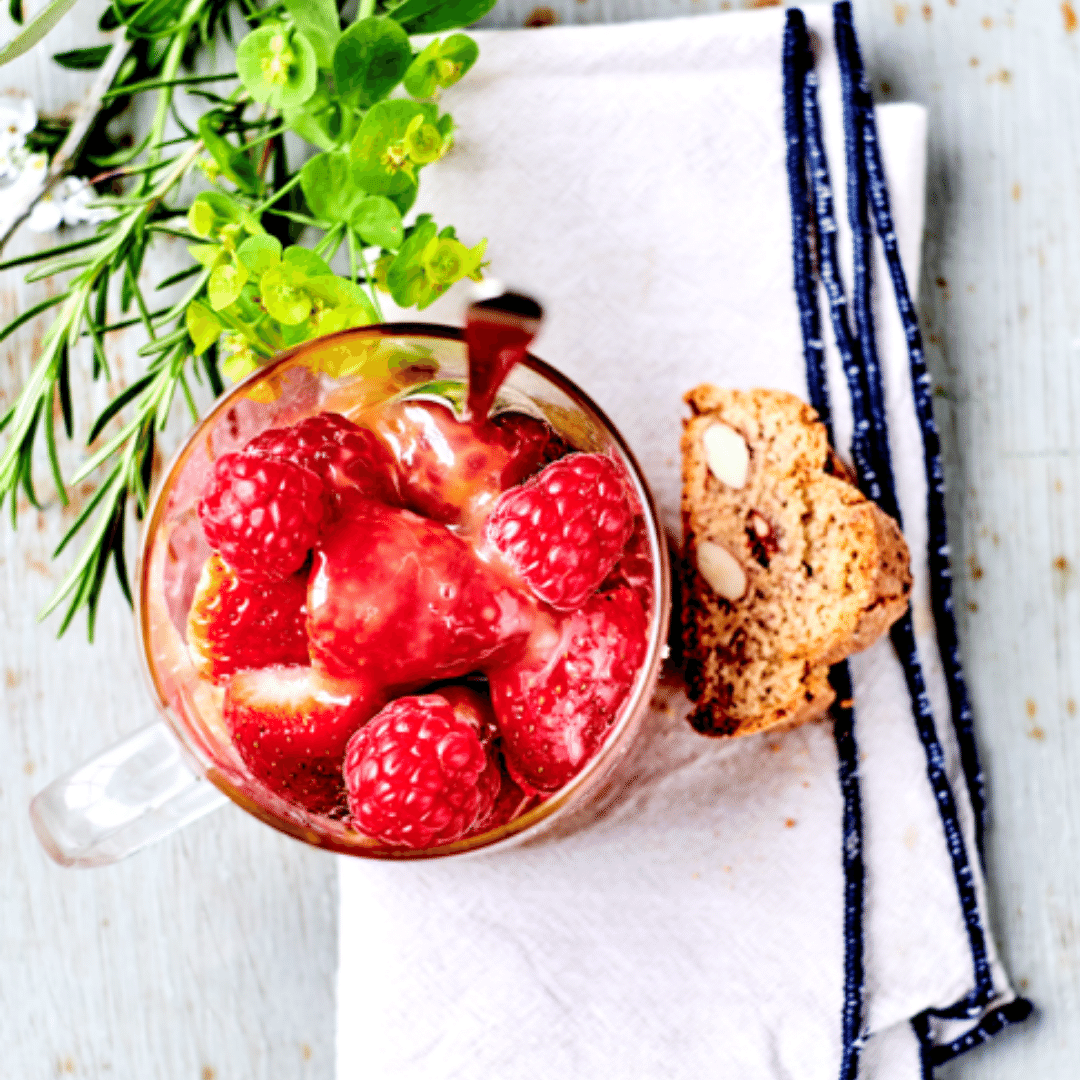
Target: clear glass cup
184, 766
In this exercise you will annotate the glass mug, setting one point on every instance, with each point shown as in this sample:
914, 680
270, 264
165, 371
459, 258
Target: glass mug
182, 767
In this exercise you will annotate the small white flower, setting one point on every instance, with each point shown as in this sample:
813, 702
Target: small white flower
26, 185
77, 197
18, 118
67, 204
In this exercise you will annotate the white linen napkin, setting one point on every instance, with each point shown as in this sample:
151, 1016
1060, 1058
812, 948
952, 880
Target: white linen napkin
633, 178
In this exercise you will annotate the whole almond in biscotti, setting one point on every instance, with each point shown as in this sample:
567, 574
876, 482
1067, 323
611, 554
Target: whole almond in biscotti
787, 567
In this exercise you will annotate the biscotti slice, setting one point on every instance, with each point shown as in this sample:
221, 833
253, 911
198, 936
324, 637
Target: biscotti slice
787, 567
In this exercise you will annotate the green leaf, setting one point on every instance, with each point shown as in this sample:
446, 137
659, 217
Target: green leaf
202, 326
238, 365
448, 15
211, 211
206, 255
260, 253
303, 263
380, 161
319, 22
404, 200
424, 142
83, 59
226, 281
407, 279
232, 161
328, 186
441, 64
318, 120
447, 260
15, 10
422, 78
284, 299
277, 66
370, 59
335, 292
412, 9
38, 27
378, 222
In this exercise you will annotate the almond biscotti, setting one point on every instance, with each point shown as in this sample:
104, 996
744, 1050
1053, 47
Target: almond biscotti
787, 567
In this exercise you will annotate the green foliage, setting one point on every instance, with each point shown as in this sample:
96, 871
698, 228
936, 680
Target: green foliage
262, 235
440, 64
277, 66
370, 60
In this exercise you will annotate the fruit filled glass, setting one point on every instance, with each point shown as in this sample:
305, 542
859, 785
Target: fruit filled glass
393, 625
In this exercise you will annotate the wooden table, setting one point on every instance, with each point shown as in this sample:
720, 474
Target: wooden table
213, 954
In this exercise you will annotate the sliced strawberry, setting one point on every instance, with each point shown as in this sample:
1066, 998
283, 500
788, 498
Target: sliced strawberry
291, 725
556, 705
452, 470
403, 601
262, 515
418, 774
532, 445
235, 624
352, 461
564, 529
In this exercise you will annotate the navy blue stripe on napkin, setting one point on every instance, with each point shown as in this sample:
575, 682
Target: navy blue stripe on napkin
798, 62
857, 106
993, 1023
870, 452
871, 173
864, 159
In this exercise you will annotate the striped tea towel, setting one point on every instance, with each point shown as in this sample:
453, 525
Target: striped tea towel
800, 906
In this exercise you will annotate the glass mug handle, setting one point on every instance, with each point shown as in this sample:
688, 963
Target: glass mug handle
133, 794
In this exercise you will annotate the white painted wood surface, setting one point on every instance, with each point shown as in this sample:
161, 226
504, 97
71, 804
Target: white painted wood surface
213, 954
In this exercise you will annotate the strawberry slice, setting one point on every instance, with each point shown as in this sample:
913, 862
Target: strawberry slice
556, 705
452, 470
403, 601
419, 775
235, 623
291, 726
352, 461
564, 529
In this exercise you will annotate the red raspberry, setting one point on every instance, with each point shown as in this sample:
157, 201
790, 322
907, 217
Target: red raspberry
291, 726
235, 624
564, 530
262, 515
352, 462
635, 565
418, 775
556, 706
403, 600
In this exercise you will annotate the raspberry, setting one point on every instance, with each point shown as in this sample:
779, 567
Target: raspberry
564, 530
352, 462
400, 599
556, 706
635, 565
262, 515
291, 726
235, 624
417, 774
